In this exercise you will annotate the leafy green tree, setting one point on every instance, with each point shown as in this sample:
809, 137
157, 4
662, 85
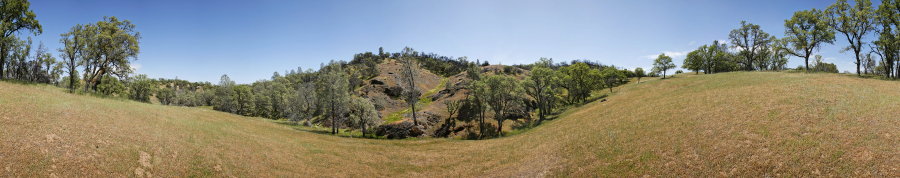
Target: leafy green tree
140, 88
502, 95
612, 77
112, 45
224, 100
694, 61
15, 16
750, 40
303, 102
806, 31
888, 44
854, 22
111, 86
577, 81
243, 96
662, 64
166, 95
539, 85
363, 114
332, 85
639, 73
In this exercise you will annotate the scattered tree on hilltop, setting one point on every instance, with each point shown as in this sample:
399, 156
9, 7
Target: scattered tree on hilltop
806, 31
639, 73
854, 22
750, 41
662, 64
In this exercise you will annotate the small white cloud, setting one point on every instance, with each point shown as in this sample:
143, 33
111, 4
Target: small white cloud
135, 67
673, 54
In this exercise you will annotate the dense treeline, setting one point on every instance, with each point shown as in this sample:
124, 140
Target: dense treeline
805, 33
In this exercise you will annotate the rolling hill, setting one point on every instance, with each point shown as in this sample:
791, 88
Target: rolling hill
731, 124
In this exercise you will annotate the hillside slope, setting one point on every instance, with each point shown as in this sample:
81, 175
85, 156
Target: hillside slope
756, 124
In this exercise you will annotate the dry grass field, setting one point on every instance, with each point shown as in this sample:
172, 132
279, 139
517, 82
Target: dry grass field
733, 124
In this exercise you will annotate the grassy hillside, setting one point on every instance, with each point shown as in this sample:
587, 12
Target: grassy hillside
732, 124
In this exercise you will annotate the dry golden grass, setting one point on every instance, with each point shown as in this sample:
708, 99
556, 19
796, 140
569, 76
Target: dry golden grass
734, 124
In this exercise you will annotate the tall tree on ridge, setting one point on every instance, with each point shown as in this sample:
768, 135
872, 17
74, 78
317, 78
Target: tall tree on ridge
806, 31
854, 22
750, 40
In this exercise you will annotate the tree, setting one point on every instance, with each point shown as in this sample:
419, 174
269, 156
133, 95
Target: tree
806, 31
476, 89
73, 43
779, 53
332, 85
453, 107
639, 73
577, 81
854, 22
112, 45
694, 61
887, 44
501, 93
539, 85
612, 77
243, 96
363, 114
662, 64
166, 96
140, 88
16, 16
224, 96
750, 40
408, 79
303, 102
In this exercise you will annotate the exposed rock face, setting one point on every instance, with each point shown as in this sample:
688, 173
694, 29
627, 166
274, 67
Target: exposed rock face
385, 92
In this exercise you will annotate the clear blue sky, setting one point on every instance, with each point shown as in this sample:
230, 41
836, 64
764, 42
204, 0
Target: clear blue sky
249, 40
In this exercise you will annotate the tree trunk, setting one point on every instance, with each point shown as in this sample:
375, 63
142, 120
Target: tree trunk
664, 74
415, 121
333, 119
2, 57
500, 125
481, 124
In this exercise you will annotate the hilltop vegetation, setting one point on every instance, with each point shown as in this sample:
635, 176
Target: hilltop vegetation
731, 124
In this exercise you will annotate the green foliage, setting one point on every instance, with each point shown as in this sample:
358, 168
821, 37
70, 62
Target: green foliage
854, 22
332, 86
363, 114
821, 66
612, 77
806, 31
577, 80
166, 95
111, 86
111, 46
751, 42
224, 96
503, 95
639, 73
694, 61
662, 64
16, 16
140, 88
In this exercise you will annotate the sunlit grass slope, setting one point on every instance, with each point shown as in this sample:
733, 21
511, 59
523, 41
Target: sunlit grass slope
732, 124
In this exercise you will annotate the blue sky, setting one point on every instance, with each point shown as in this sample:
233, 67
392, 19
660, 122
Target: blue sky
249, 40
